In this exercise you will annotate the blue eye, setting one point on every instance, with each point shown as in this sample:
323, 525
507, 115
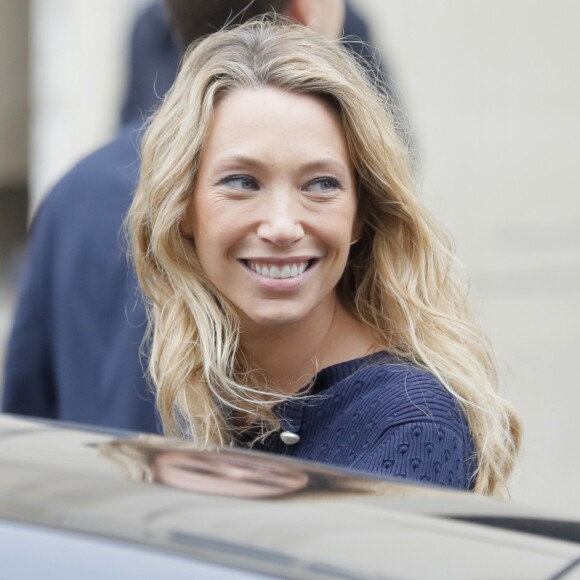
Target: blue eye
243, 182
322, 185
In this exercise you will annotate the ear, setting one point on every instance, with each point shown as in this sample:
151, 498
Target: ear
305, 12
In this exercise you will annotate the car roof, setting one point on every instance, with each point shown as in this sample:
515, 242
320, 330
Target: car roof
58, 477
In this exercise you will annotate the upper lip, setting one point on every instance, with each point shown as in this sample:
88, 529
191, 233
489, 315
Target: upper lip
278, 260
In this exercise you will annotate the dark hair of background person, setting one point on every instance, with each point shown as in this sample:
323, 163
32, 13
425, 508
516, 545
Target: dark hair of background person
165, 29
191, 20
160, 36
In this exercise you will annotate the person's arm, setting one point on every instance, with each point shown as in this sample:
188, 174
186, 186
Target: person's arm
154, 60
29, 382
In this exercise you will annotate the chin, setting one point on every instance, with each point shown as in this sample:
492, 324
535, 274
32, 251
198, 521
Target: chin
275, 322
273, 319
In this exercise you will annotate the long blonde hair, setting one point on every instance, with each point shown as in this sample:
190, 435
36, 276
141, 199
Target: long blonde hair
399, 280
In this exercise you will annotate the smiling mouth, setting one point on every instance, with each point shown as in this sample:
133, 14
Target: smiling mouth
291, 270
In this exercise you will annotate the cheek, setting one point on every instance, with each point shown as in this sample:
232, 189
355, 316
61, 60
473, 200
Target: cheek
206, 222
338, 237
215, 236
208, 213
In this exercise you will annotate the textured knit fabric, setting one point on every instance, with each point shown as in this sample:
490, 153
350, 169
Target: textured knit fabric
381, 416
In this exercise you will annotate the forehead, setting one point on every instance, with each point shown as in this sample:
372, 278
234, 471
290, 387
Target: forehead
275, 121
244, 102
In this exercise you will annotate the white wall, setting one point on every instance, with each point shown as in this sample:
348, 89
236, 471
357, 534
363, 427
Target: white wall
13, 148
79, 60
13, 103
493, 93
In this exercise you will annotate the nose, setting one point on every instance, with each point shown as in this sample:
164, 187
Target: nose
280, 220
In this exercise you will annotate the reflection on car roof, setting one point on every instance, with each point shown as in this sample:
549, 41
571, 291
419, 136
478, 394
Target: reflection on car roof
166, 495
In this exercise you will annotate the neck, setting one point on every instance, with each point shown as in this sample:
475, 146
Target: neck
291, 356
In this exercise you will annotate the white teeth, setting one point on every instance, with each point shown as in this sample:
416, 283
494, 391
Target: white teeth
274, 271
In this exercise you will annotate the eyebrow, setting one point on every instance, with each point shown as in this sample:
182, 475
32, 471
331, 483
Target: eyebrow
238, 160
316, 164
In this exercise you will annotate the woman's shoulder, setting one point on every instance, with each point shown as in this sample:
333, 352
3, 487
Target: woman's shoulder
390, 417
386, 386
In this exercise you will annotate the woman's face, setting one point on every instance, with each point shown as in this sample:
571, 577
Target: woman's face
274, 205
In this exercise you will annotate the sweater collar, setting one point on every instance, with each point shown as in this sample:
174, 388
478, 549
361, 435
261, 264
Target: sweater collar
291, 412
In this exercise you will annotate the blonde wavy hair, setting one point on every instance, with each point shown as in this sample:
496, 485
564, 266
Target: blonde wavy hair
399, 280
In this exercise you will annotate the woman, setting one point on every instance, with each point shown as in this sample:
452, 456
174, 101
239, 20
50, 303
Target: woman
296, 283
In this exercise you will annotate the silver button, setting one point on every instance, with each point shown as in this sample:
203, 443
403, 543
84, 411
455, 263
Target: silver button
289, 438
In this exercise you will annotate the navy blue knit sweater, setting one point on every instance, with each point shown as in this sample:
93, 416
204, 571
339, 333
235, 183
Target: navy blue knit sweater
381, 416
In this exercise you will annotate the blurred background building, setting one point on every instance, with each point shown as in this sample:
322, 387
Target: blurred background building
493, 97
14, 148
